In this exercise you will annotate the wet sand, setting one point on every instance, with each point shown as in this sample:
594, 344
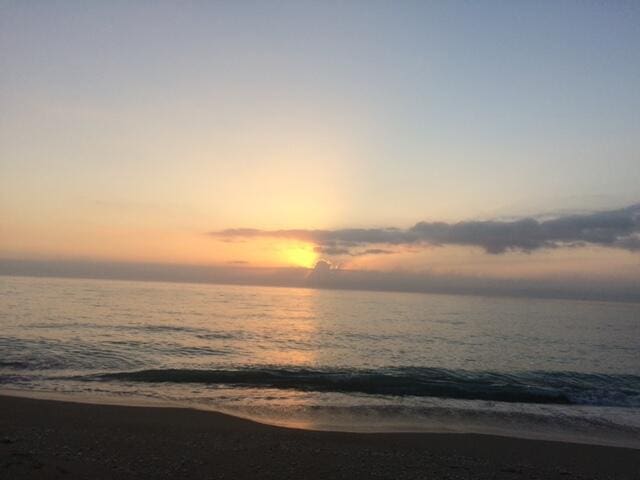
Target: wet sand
53, 439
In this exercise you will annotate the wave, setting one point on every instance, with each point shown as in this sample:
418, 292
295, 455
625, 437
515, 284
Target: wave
568, 388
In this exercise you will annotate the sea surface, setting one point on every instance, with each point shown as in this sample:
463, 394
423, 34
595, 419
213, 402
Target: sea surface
327, 359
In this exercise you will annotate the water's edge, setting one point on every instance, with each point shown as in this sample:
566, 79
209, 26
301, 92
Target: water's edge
452, 427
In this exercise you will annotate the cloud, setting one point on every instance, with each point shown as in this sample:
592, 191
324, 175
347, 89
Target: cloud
326, 275
338, 251
613, 228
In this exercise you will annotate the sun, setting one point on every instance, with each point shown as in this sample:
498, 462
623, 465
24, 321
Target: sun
301, 255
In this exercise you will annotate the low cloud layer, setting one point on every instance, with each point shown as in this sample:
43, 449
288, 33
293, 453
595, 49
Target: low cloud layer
325, 276
613, 228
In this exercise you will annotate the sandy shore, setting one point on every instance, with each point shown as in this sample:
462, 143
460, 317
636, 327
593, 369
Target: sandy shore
52, 439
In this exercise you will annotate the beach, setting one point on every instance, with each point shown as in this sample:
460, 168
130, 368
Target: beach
319, 240
54, 439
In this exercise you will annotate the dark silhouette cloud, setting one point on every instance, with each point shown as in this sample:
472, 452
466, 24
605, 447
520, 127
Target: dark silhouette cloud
613, 228
326, 275
337, 251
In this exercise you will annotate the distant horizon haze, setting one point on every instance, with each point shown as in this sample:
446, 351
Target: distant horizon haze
325, 277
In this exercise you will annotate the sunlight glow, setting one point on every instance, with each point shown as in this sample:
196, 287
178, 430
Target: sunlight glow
301, 255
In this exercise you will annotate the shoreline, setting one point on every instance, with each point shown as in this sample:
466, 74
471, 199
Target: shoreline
460, 426
493, 428
63, 439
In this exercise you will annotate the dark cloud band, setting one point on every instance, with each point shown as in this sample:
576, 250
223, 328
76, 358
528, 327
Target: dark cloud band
614, 228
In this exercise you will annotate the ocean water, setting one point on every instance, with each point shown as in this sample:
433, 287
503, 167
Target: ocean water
323, 359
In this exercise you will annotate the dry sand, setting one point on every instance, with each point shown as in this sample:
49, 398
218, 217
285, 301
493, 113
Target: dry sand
52, 439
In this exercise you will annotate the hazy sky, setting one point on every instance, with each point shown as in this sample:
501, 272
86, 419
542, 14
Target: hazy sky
139, 131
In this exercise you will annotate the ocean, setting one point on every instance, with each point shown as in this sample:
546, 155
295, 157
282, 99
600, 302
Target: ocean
328, 359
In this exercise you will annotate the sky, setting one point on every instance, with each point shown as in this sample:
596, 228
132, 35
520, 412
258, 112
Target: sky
451, 142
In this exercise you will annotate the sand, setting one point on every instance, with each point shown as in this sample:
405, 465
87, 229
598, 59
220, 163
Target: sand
53, 439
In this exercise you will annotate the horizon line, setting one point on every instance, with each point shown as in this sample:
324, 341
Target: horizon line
308, 278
